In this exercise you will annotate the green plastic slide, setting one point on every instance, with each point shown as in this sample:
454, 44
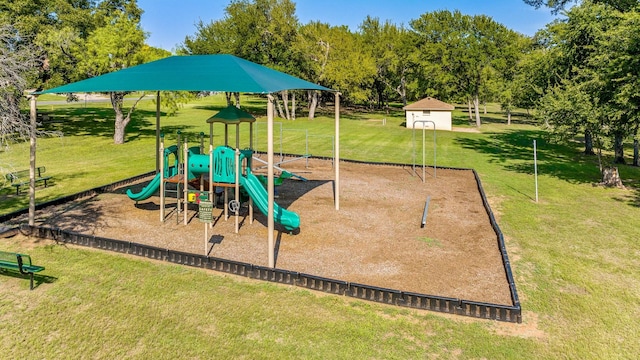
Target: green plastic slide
254, 188
151, 188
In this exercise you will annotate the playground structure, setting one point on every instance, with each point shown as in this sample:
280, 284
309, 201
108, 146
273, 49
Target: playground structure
334, 246
217, 170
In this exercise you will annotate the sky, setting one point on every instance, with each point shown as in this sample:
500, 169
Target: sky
168, 22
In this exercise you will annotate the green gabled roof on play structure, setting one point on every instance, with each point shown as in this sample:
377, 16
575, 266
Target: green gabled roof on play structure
231, 115
192, 73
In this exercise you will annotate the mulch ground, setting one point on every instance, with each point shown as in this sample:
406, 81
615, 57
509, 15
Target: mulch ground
375, 238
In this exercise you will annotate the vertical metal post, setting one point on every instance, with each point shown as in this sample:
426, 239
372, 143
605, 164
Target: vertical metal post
206, 238
238, 136
211, 134
251, 135
186, 181
270, 188
212, 196
337, 152
413, 139
161, 156
178, 184
535, 166
237, 189
423, 122
424, 161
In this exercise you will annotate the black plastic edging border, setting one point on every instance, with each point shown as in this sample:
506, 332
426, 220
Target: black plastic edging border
79, 195
366, 292
282, 276
501, 244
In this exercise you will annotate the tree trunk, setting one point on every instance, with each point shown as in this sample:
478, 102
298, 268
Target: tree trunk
403, 91
636, 153
313, 103
618, 149
611, 177
476, 105
588, 143
121, 121
293, 105
484, 104
285, 101
469, 106
508, 117
237, 96
279, 107
228, 97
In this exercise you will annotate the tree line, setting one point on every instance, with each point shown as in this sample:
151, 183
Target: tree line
578, 74
448, 55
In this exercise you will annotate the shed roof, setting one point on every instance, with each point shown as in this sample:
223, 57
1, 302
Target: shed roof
429, 103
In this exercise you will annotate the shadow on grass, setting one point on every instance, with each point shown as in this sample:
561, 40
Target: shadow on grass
99, 121
37, 278
257, 108
513, 150
517, 117
631, 181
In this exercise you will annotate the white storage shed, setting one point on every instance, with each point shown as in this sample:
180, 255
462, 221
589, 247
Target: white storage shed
429, 109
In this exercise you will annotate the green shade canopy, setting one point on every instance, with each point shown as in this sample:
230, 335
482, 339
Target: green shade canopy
231, 115
192, 73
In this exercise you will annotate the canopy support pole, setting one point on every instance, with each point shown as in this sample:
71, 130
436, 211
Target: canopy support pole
162, 184
270, 187
158, 131
337, 153
32, 161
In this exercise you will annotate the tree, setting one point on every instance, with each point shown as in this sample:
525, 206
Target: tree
392, 48
559, 5
504, 84
589, 57
261, 31
80, 39
597, 52
329, 60
458, 50
58, 28
114, 47
19, 62
570, 109
619, 56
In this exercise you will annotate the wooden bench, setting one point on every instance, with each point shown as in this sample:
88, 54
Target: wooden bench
19, 262
21, 178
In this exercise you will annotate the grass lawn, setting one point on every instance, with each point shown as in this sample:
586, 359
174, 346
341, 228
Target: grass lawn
574, 254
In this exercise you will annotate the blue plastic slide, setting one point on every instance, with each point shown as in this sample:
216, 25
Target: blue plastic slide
254, 188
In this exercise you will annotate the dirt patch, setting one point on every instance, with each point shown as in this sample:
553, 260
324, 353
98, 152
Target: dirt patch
375, 238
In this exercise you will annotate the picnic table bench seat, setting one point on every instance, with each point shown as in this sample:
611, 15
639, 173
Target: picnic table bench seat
21, 178
19, 262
